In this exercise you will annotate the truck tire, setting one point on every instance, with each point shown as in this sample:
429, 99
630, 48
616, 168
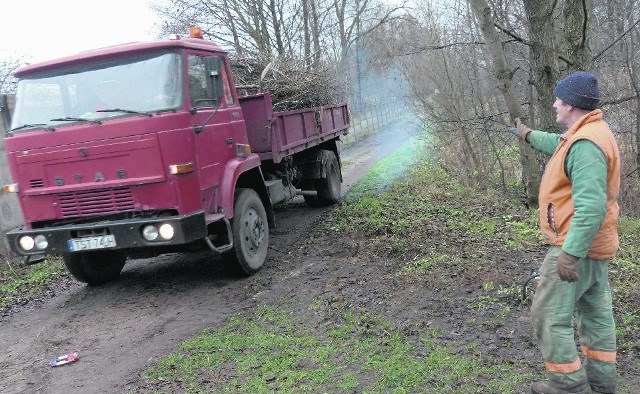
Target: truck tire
95, 268
250, 233
328, 188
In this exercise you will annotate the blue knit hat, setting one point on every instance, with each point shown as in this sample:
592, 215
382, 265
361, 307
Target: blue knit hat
579, 89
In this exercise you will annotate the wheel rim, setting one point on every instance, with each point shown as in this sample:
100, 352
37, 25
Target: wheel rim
252, 231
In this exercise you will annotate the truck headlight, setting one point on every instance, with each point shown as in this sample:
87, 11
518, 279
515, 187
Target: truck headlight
166, 231
163, 233
41, 242
150, 233
26, 243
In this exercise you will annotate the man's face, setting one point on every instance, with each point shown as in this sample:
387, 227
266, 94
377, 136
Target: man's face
562, 112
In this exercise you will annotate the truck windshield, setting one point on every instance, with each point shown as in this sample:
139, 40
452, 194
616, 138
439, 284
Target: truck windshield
97, 91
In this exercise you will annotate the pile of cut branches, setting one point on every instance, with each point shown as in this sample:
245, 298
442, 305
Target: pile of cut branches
292, 84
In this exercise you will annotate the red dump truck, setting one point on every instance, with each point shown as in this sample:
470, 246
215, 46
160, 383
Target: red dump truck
146, 148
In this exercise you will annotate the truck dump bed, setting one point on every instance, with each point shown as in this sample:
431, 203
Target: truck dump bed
274, 135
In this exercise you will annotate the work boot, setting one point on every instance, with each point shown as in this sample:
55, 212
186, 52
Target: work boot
603, 388
547, 388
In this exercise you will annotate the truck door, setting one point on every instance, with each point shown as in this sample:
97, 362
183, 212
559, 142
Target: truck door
216, 120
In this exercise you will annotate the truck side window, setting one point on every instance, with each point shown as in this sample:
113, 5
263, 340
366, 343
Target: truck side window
198, 83
228, 97
208, 82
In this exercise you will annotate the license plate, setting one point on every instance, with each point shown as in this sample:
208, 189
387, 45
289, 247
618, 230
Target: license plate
90, 243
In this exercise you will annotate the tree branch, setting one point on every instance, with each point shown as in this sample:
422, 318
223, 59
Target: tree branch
436, 47
512, 34
596, 57
386, 18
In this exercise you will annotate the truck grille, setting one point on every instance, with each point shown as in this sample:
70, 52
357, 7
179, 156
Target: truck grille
95, 202
34, 183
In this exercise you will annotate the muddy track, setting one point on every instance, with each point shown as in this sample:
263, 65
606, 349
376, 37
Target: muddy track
121, 328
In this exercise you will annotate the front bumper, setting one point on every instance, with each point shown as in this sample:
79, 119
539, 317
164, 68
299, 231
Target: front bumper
127, 233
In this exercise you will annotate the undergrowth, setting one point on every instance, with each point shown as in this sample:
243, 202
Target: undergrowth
19, 282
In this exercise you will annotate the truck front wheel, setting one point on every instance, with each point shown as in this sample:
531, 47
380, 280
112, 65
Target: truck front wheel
95, 268
250, 232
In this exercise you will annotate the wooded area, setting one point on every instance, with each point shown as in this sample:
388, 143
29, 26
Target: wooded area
480, 63
467, 67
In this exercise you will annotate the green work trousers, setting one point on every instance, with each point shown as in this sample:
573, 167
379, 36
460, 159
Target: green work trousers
552, 312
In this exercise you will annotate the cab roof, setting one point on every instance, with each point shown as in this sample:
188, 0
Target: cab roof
118, 51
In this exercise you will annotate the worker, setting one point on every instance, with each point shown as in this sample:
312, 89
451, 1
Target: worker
578, 218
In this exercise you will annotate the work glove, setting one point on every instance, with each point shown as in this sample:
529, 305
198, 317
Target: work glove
521, 130
568, 267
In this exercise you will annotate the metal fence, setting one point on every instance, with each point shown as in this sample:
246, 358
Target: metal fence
371, 119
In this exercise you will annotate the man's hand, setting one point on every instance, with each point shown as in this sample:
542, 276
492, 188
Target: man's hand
521, 130
568, 267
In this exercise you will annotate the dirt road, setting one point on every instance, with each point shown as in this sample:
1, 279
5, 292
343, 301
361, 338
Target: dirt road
120, 328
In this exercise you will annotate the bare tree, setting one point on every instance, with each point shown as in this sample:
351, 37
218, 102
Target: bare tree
358, 18
247, 26
7, 82
321, 32
528, 159
524, 48
7, 87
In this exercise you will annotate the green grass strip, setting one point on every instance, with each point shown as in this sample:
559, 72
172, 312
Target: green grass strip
270, 352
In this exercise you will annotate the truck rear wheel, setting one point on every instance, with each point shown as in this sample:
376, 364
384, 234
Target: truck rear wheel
328, 188
95, 268
250, 233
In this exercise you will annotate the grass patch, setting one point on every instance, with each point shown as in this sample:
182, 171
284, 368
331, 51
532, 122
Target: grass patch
18, 282
423, 265
358, 352
624, 275
429, 219
405, 192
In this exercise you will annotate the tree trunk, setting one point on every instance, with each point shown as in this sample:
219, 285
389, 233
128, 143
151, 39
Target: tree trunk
265, 38
259, 28
544, 63
232, 27
634, 76
577, 20
306, 22
315, 33
340, 8
530, 167
276, 27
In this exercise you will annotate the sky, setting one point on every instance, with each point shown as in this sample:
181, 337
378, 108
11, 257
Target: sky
35, 30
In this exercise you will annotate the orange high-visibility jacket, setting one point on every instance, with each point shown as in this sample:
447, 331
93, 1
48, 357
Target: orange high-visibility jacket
556, 202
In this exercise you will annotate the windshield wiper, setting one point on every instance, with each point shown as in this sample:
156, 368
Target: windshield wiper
126, 111
29, 125
73, 119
